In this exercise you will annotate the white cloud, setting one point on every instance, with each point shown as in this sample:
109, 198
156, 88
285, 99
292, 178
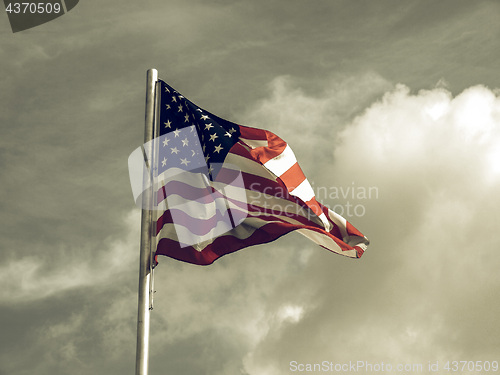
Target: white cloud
33, 278
424, 289
290, 313
303, 119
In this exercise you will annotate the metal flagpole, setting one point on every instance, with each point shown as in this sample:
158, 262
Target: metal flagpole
142, 353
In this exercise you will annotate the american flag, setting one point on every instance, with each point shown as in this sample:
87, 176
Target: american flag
258, 192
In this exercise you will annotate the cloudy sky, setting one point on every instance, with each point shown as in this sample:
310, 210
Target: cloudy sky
393, 110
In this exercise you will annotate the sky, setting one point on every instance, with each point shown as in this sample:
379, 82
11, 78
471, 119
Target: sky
393, 111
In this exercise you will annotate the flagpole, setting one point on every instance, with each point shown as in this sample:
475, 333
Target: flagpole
143, 314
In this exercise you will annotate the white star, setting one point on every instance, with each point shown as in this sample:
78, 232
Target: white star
185, 161
210, 169
164, 162
204, 147
193, 152
186, 118
174, 150
166, 89
199, 110
168, 123
180, 108
176, 132
227, 134
167, 105
218, 148
213, 136
206, 158
192, 127
232, 130
174, 100
185, 142
165, 142
208, 126
204, 117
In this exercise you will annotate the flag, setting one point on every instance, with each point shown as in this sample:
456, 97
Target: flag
224, 187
